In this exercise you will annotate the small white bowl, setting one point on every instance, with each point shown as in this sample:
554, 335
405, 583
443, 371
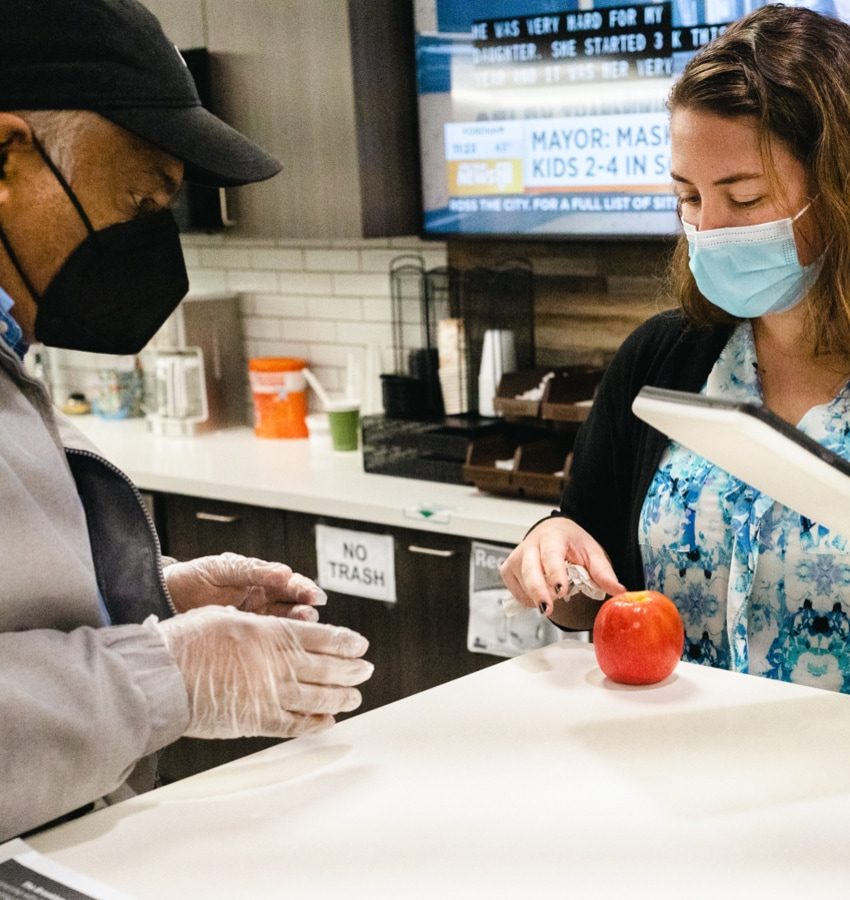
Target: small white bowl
319, 429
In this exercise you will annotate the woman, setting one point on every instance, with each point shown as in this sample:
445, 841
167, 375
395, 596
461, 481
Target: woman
761, 166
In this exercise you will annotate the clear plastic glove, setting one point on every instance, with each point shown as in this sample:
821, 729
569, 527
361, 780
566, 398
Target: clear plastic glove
252, 585
535, 571
248, 675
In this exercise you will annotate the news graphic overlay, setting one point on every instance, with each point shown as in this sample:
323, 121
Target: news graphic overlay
538, 118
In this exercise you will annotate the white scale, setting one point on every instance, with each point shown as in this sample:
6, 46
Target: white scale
758, 447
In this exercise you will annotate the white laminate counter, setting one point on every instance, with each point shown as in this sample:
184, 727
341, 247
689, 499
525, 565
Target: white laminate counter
534, 778
234, 465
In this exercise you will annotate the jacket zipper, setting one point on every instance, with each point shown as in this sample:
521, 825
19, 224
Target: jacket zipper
148, 519
24, 376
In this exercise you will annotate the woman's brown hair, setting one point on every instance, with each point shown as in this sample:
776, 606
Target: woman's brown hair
789, 69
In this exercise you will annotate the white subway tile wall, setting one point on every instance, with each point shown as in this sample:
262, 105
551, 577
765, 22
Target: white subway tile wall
324, 302
330, 302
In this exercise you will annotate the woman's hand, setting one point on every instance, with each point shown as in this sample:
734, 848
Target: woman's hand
535, 571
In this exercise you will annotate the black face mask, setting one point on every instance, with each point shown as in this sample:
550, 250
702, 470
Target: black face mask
116, 289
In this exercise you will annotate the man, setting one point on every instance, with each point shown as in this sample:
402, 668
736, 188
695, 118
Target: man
99, 123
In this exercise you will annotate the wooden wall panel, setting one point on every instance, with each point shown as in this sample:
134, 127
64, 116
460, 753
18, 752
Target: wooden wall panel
589, 295
182, 20
285, 66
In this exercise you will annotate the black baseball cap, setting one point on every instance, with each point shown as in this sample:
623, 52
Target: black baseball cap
112, 57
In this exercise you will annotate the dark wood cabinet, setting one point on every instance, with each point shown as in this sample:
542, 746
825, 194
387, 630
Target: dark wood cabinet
327, 86
193, 526
416, 643
420, 640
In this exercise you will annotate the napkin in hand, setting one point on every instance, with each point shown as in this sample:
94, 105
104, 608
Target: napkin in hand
578, 582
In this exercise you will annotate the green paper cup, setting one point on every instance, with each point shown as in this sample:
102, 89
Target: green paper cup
344, 420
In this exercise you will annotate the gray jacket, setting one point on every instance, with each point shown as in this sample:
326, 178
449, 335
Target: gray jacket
81, 702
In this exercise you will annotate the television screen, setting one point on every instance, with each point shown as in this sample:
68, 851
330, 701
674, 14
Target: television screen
547, 117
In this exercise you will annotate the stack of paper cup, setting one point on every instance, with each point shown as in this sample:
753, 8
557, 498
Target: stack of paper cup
451, 350
498, 355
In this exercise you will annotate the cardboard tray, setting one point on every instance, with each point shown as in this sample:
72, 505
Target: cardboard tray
511, 384
539, 469
566, 397
480, 467
569, 395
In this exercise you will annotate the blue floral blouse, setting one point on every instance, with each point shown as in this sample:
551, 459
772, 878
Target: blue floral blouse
761, 589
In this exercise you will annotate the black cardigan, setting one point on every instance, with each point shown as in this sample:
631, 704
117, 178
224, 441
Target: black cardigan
616, 454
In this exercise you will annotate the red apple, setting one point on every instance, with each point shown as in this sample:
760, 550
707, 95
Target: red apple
638, 637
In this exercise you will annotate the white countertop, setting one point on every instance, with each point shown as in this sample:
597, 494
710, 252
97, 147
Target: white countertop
536, 777
234, 465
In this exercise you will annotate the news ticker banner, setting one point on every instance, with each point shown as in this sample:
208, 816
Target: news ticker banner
624, 153
618, 42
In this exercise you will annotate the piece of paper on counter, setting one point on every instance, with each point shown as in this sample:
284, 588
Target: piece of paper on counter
490, 629
578, 582
29, 875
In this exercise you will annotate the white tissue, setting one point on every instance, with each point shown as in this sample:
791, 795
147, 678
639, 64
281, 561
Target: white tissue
578, 582
536, 393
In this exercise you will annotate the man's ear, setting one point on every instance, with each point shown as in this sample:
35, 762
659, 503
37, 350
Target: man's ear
16, 137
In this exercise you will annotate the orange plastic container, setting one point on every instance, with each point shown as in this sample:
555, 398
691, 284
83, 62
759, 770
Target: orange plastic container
279, 391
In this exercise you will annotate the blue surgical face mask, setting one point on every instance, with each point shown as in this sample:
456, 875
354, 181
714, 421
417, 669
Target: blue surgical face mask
750, 270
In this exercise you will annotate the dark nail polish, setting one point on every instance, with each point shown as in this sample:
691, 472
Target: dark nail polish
544, 608
558, 589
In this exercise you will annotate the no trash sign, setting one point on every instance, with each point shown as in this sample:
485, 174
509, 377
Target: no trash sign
356, 562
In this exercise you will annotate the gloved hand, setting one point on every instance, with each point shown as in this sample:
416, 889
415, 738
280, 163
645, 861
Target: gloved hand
535, 571
248, 675
249, 584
